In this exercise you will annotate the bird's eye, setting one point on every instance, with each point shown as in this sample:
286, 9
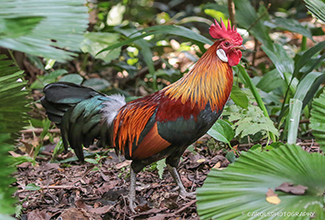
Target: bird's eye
227, 43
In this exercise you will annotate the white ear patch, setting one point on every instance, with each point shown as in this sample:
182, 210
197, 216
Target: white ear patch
222, 55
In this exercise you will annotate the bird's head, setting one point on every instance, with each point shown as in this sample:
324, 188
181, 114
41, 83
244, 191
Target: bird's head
230, 44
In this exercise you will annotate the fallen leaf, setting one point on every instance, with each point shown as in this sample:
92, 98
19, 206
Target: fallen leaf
272, 198
39, 215
14, 154
101, 210
291, 188
123, 164
299, 190
270, 192
201, 160
217, 165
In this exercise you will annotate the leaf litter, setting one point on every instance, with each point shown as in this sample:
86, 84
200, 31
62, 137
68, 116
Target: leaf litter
99, 191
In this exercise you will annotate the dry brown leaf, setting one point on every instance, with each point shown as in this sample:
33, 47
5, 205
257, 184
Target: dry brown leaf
201, 160
272, 198
123, 164
290, 188
217, 165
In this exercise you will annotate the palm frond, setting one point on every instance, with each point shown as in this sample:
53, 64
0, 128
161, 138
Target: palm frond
46, 28
317, 120
239, 191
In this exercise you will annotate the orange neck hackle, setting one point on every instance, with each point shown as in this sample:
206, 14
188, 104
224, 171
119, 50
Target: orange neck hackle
210, 81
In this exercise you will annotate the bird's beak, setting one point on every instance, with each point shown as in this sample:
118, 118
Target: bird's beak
241, 47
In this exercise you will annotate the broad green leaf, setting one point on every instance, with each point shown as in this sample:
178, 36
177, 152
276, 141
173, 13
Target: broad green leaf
239, 97
96, 41
292, 25
97, 84
222, 131
308, 86
16, 27
270, 81
317, 8
280, 58
73, 78
293, 119
301, 61
317, 120
240, 190
42, 81
59, 30
162, 29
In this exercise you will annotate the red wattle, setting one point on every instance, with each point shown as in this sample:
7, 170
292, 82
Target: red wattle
234, 57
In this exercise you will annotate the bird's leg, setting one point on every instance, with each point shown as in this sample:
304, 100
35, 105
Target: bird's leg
131, 196
177, 179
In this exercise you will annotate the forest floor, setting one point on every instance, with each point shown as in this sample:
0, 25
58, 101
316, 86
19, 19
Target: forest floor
99, 190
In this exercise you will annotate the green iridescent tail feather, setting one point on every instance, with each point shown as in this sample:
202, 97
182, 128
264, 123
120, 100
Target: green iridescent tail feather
80, 113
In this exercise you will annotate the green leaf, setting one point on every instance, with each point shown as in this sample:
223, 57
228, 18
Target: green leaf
270, 81
280, 58
49, 28
16, 27
97, 84
13, 98
6, 192
240, 190
308, 86
249, 121
231, 157
73, 78
302, 60
95, 42
161, 164
293, 119
42, 81
317, 120
222, 131
248, 83
239, 97
91, 160
317, 8
162, 29
293, 26
32, 187
145, 51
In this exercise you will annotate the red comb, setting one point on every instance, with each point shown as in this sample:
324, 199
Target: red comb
227, 33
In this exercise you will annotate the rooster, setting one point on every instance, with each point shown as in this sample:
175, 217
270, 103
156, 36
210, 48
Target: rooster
159, 125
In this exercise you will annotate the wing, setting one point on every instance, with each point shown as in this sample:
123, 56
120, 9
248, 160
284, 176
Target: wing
135, 129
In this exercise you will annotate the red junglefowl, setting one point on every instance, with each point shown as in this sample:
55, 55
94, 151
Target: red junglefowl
157, 126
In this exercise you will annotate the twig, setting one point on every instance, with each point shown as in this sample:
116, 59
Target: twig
259, 18
232, 12
40, 130
185, 206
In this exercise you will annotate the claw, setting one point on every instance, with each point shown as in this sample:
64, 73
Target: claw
182, 191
